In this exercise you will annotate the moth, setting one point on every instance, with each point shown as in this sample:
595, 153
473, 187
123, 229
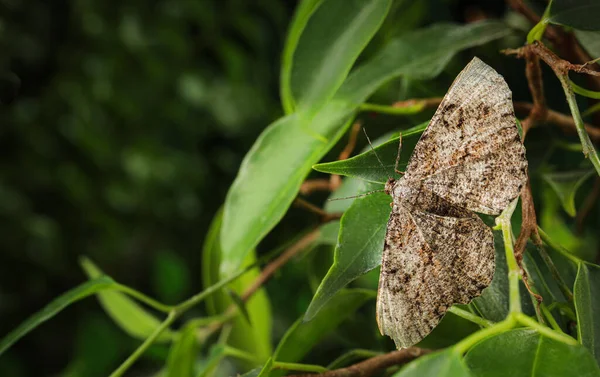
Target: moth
437, 251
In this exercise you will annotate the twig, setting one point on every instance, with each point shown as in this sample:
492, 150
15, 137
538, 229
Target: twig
325, 216
528, 228
373, 365
565, 42
533, 73
564, 121
558, 65
312, 185
265, 274
424, 102
561, 69
282, 259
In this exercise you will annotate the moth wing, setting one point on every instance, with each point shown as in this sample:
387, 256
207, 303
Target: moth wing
430, 262
471, 153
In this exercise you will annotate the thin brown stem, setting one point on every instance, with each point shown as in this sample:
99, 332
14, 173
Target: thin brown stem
374, 365
533, 73
528, 228
565, 122
425, 102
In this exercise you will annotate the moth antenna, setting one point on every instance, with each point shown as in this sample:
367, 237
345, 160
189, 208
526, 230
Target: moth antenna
398, 155
373, 149
355, 196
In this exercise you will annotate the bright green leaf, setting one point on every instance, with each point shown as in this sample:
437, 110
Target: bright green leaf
84, 290
275, 167
440, 364
182, 356
124, 311
336, 33
566, 184
579, 14
302, 336
586, 293
359, 247
253, 334
524, 353
367, 166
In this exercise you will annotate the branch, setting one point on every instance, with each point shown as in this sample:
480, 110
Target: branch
276, 264
539, 111
373, 365
564, 121
565, 42
265, 275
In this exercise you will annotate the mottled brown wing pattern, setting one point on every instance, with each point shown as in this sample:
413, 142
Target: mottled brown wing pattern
430, 262
471, 153
437, 252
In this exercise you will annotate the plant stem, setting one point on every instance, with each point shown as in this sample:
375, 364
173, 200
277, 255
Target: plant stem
500, 327
550, 318
393, 110
242, 355
564, 252
144, 346
470, 316
513, 267
299, 367
588, 148
143, 298
543, 330
564, 288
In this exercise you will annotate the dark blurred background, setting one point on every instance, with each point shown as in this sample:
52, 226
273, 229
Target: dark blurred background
122, 125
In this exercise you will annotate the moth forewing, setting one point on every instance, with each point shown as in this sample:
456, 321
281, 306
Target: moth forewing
437, 252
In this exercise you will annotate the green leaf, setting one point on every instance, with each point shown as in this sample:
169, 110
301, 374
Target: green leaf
523, 352
302, 336
440, 364
182, 356
565, 185
252, 335
277, 164
586, 293
579, 14
124, 311
448, 332
215, 355
336, 33
301, 17
590, 40
422, 55
84, 290
366, 165
359, 247
493, 302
